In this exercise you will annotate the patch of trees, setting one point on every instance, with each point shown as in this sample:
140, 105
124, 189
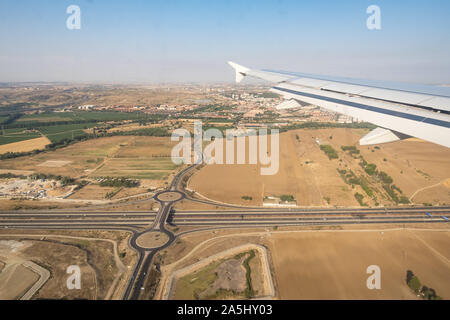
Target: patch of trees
152, 132
15, 107
394, 192
42, 176
370, 169
287, 198
391, 191
37, 124
119, 182
11, 118
320, 125
351, 149
414, 284
359, 197
329, 151
249, 291
385, 178
10, 175
269, 95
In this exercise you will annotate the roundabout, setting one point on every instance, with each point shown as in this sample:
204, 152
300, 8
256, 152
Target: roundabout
152, 240
169, 196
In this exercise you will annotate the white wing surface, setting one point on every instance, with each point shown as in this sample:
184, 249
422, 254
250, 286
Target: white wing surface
400, 110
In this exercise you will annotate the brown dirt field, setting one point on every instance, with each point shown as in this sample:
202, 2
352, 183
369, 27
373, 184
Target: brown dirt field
307, 173
332, 265
95, 258
16, 281
126, 192
56, 258
120, 237
34, 204
92, 192
25, 146
191, 205
97, 267
147, 205
18, 172
131, 127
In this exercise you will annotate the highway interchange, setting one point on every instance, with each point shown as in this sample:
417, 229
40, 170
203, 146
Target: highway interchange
141, 223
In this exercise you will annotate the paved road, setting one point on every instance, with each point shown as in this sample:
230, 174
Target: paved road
44, 275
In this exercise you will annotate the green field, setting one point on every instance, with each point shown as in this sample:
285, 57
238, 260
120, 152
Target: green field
58, 126
16, 135
3, 118
61, 132
78, 116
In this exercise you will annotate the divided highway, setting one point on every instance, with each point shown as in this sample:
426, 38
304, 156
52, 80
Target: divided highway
143, 223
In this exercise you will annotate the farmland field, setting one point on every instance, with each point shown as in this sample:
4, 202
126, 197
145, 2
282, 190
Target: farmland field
120, 156
61, 132
25, 146
332, 265
80, 116
18, 134
419, 170
58, 126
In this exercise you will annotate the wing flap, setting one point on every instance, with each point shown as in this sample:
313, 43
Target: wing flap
441, 103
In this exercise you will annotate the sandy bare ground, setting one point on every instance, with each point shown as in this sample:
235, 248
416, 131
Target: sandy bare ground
16, 280
24, 146
18, 172
19, 278
120, 266
54, 163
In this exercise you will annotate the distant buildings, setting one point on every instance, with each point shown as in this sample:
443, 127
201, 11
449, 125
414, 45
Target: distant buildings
277, 202
86, 107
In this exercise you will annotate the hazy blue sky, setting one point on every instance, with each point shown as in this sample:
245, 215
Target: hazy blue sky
168, 41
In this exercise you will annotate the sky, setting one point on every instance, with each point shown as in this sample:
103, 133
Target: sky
146, 41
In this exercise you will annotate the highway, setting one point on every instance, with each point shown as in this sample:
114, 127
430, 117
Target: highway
140, 223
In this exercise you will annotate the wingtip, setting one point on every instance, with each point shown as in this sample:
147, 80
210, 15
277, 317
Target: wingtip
240, 70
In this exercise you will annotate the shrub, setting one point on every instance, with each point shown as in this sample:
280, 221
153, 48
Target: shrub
287, 197
329, 151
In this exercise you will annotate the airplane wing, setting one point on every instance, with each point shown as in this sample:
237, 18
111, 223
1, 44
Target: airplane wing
399, 110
